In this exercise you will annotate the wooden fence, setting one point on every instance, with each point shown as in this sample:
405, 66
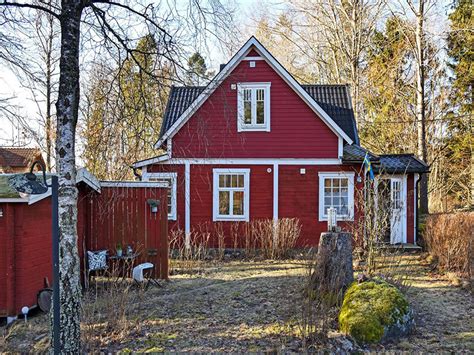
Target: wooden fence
122, 214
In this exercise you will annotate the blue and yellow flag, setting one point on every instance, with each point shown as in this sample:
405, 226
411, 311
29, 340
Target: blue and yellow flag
368, 165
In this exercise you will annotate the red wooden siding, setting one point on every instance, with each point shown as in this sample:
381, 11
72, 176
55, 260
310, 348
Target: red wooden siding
298, 196
117, 214
296, 131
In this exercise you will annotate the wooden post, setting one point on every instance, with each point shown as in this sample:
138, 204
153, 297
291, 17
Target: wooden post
163, 242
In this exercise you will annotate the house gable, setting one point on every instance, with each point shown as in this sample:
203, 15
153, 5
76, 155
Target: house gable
254, 52
295, 130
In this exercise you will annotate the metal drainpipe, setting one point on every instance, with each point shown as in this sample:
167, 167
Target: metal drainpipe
416, 206
137, 175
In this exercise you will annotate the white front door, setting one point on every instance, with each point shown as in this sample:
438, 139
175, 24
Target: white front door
398, 210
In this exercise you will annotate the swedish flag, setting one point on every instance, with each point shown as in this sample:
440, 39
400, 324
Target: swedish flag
368, 165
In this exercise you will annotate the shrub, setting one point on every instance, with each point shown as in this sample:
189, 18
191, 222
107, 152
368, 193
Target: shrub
449, 239
374, 309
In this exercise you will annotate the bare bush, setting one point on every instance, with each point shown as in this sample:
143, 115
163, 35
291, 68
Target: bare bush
319, 310
189, 254
264, 237
275, 239
108, 307
449, 239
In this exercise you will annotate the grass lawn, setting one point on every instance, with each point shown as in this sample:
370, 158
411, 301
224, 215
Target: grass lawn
248, 306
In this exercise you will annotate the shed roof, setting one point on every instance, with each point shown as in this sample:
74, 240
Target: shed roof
333, 99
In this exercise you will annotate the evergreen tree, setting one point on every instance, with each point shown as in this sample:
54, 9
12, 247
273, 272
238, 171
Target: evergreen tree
197, 73
459, 138
389, 121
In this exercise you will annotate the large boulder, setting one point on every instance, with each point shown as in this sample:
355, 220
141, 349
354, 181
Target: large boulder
375, 311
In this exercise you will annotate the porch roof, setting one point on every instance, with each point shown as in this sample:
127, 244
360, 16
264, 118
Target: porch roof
400, 163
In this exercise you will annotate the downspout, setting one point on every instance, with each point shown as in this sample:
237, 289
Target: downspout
416, 208
137, 175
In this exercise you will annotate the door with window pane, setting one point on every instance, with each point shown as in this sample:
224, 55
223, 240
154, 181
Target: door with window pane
397, 216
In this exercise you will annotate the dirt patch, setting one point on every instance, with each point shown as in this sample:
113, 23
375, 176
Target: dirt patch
254, 306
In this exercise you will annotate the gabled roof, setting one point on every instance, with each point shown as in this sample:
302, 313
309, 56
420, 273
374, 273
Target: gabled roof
15, 157
334, 99
252, 43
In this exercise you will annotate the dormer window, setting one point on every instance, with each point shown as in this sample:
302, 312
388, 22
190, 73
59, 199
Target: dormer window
253, 107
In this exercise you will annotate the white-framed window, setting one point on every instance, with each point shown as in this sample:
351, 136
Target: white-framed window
231, 194
172, 180
253, 107
336, 190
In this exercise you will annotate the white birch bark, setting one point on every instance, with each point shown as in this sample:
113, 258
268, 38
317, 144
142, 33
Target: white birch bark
67, 113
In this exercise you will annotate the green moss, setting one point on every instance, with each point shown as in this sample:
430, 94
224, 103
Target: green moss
369, 308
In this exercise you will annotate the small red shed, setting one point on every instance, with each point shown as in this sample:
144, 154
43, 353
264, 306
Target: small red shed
105, 218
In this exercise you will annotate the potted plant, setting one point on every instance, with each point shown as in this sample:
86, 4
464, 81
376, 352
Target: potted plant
118, 249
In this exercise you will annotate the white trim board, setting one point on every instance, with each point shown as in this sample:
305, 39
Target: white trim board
133, 184
253, 161
229, 67
275, 191
13, 200
187, 204
173, 177
150, 161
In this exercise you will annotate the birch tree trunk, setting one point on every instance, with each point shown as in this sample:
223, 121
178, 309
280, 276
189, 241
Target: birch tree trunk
420, 102
67, 113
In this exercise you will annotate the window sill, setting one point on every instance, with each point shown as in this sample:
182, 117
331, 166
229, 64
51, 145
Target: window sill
338, 218
231, 219
171, 218
253, 129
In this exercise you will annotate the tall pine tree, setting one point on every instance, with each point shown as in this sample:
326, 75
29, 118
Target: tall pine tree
459, 137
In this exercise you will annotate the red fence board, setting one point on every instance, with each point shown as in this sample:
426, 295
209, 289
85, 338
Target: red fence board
116, 214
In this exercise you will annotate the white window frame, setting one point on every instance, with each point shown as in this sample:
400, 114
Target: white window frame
350, 198
173, 177
215, 195
245, 127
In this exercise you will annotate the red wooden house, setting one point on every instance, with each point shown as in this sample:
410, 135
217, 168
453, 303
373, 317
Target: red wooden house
256, 144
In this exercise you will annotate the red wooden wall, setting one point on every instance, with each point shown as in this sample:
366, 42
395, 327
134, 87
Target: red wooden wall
117, 214
212, 130
121, 215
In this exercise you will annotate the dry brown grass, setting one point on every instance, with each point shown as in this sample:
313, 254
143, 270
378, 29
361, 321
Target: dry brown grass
449, 239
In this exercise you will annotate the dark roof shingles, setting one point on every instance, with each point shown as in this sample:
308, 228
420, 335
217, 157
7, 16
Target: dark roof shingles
401, 163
